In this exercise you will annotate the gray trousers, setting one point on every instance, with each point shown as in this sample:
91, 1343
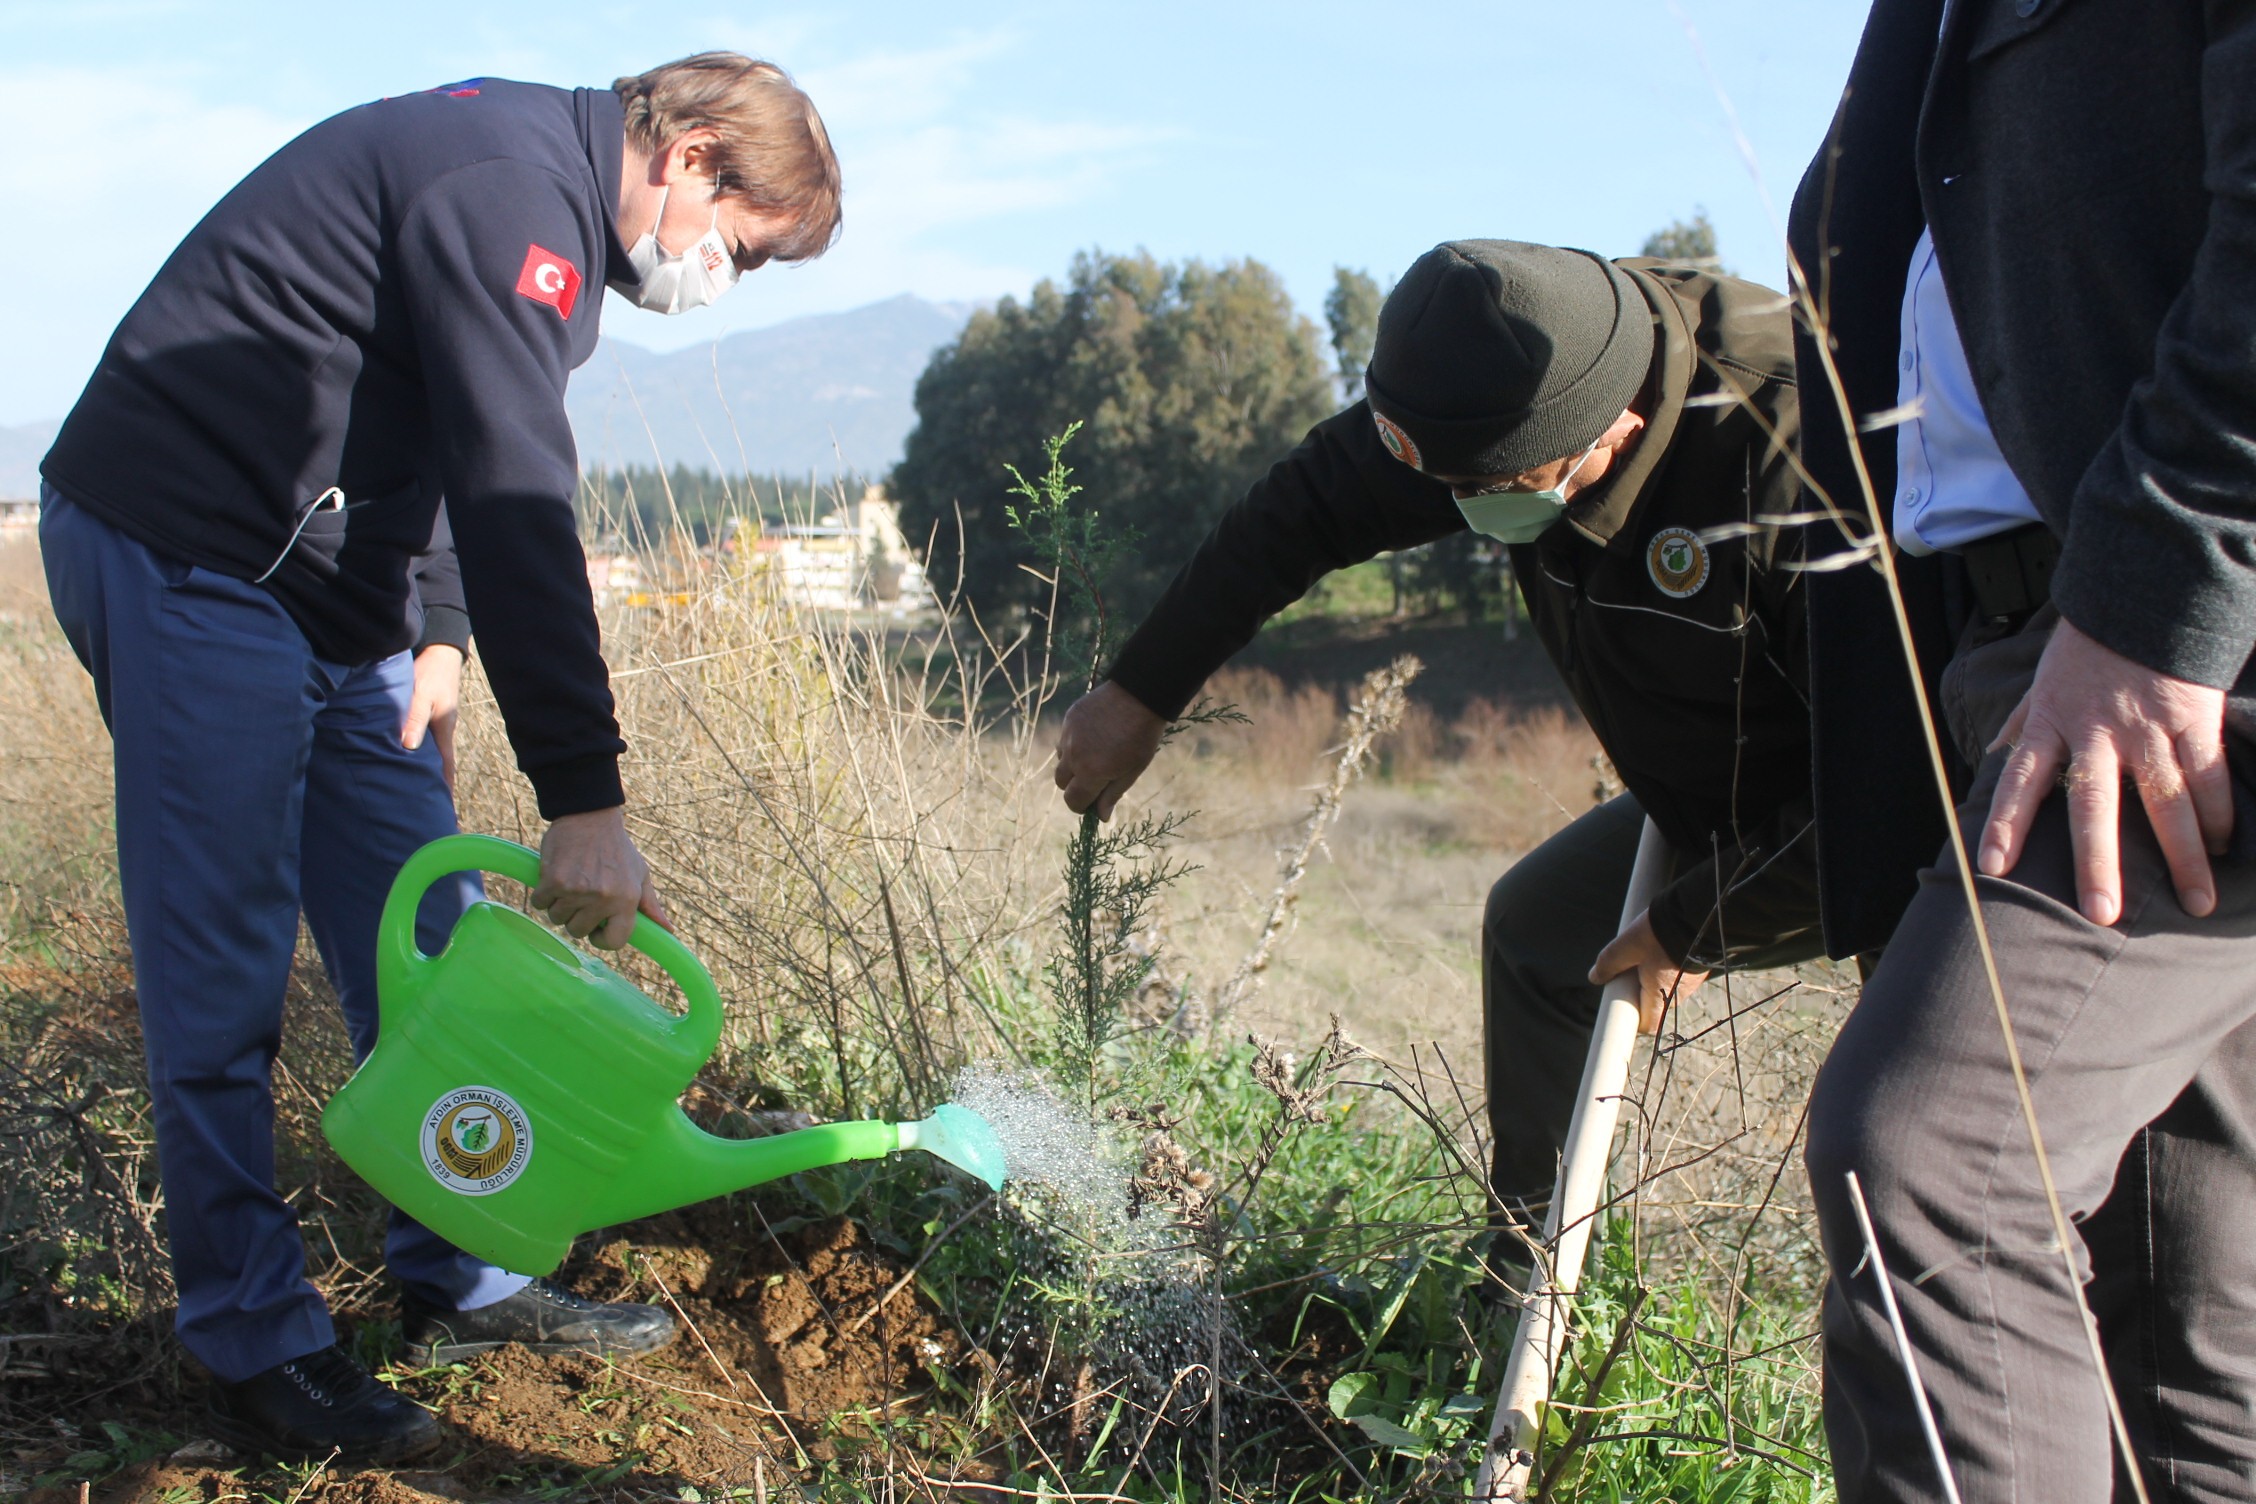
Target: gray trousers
2142, 1060
1546, 921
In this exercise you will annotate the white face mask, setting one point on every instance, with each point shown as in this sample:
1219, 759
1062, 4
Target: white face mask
674, 281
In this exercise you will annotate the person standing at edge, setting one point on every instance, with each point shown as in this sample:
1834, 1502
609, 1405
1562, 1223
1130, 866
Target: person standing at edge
2034, 226
1600, 418
381, 314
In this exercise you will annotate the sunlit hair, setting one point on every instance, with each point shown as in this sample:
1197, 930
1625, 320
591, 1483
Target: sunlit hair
773, 152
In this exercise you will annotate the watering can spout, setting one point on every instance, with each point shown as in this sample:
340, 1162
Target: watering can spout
961, 1137
701, 1166
704, 1166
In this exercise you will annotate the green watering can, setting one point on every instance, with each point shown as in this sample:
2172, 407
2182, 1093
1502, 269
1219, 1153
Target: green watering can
521, 1092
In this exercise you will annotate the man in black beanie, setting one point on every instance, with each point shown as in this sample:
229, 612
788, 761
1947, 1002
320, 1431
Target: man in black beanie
1623, 428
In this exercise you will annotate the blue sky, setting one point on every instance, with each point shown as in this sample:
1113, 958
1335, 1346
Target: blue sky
982, 144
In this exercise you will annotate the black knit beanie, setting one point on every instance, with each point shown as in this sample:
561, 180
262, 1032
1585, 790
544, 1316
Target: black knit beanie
1494, 357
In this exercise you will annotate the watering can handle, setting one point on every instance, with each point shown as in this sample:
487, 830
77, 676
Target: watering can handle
466, 853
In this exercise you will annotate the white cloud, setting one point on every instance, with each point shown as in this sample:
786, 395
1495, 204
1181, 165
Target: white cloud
929, 161
943, 157
884, 90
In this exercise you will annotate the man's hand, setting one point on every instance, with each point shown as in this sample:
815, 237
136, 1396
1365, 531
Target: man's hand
432, 707
1108, 741
1660, 981
2097, 717
593, 881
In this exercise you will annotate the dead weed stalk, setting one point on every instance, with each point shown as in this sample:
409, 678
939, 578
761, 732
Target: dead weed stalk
1376, 711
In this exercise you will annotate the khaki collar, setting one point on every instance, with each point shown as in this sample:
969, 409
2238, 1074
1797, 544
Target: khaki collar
1601, 513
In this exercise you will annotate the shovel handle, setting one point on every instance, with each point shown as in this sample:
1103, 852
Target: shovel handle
469, 853
1505, 1471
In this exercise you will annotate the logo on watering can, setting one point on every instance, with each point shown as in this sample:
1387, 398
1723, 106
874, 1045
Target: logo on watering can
476, 1140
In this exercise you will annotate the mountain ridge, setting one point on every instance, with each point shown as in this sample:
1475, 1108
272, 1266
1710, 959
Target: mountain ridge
828, 393
21, 446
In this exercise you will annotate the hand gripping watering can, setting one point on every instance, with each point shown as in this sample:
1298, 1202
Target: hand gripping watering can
521, 1092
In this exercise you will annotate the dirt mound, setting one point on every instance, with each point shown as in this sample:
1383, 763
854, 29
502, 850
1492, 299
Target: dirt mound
794, 1346
799, 1316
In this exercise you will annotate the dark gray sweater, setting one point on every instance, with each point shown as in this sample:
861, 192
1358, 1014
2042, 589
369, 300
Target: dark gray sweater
2088, 168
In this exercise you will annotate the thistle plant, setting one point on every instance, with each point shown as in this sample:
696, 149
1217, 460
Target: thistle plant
1372, 715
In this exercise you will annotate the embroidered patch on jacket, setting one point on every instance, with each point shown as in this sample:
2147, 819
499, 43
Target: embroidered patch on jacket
549, 278
1678, 562
1398, 443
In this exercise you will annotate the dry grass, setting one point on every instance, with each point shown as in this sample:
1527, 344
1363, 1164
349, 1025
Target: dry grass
847, 857
55, 858
23, 588
792, 782
1388, 927
860, 837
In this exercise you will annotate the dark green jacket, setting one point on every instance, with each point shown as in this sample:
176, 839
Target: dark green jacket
1697, 692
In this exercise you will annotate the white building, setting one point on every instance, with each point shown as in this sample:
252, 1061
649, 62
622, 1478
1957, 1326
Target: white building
855, 558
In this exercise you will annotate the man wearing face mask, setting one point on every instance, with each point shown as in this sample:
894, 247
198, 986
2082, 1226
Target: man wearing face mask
242, 533
1623, 427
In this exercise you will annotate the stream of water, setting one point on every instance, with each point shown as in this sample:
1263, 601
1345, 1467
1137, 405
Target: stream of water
1149, 1320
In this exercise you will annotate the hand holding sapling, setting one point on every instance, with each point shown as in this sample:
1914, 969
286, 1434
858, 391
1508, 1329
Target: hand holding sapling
1109, 738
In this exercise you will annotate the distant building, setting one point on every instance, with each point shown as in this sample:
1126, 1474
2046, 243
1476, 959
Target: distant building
855, 558
612, 571
19, 514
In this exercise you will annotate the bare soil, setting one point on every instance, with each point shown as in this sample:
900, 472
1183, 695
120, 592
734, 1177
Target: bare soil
785, 1356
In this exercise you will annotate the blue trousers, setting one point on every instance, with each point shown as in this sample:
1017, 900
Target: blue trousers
255, 781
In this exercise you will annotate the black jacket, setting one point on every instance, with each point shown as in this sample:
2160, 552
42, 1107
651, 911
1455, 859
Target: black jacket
2088, 168
436, 610
1697, 697
389, 305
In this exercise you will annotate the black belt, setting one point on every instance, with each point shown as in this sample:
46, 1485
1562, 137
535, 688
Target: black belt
2011, 573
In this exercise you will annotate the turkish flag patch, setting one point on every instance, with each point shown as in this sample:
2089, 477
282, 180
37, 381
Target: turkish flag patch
549, 278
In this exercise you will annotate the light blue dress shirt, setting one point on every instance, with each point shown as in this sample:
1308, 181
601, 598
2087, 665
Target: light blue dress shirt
1952, 485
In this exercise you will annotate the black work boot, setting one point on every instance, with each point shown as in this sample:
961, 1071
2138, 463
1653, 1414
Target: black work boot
321, 1403
541, 1316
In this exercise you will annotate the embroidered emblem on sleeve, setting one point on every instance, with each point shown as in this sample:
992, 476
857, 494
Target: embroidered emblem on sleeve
548, 278
1678, 562
1398, 443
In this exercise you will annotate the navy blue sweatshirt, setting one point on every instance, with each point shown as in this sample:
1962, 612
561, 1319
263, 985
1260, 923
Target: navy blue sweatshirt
387, 308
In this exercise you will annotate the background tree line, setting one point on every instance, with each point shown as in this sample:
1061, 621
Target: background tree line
642, 504
1189, 380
